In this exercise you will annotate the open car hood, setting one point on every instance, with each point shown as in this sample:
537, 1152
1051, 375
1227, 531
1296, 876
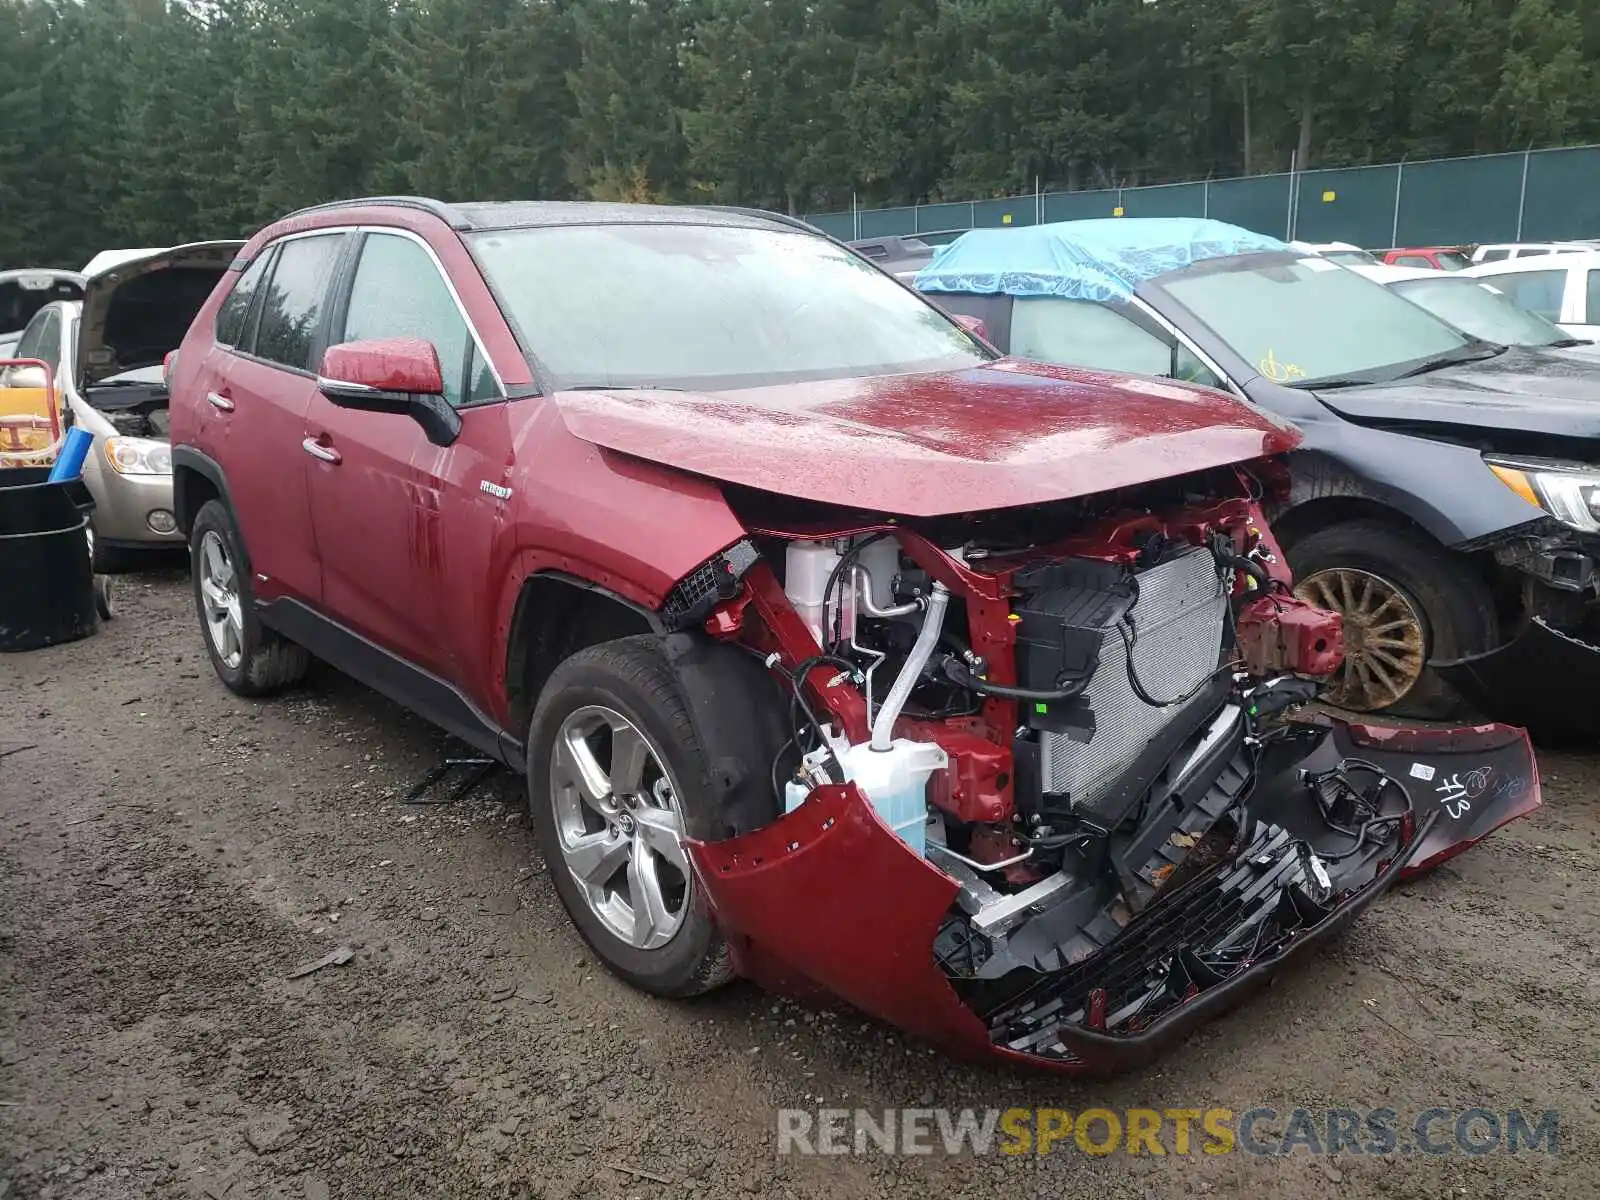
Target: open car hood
1527, 388
1004, 434
136, 310
24, 292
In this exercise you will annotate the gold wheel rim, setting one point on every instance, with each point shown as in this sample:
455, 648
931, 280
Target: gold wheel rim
1385, 642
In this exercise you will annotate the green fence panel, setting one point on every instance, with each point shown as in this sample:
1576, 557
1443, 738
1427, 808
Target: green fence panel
1019, 210
1169, 200
1079, 206
887, 222
839, 225
1349, 205
1443, 201
1563, 195
941, 218
1454, 201
1260, 203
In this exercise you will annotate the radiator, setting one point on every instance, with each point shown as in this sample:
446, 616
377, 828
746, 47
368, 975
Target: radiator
1177, 624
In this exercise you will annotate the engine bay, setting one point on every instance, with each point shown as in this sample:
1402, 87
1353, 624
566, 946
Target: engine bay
1072, 726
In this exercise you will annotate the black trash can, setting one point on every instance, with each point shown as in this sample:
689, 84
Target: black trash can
47, 591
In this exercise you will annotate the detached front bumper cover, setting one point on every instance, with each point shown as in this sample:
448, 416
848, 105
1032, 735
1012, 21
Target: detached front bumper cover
828, 899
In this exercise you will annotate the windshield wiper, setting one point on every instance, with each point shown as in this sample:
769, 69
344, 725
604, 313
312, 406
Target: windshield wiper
1564, 343
1466, 354
1473, 353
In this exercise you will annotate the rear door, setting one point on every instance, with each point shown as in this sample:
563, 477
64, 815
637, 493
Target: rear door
378, 487
258, 382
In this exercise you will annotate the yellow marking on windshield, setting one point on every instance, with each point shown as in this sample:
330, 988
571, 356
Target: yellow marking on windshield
1276, 371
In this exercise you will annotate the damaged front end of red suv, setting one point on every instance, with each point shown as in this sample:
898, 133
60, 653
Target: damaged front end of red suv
1050, 791
1042, 797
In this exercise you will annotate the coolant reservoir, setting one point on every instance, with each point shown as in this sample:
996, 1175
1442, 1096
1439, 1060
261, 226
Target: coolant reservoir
807, 568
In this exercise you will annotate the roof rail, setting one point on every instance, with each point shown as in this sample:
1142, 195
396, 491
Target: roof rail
438, 208
780, 218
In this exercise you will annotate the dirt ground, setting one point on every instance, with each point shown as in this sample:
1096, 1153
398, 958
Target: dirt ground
169, 854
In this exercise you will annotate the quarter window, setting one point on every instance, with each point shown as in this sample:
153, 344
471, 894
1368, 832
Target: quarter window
398, 292
235, 309
292, 307
1537, 291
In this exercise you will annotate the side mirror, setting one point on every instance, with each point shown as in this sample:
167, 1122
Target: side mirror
391, 375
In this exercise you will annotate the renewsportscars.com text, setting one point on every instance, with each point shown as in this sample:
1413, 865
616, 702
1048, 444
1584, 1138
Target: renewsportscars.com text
1178, 1131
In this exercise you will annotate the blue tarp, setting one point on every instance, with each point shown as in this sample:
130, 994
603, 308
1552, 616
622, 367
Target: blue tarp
1096, 260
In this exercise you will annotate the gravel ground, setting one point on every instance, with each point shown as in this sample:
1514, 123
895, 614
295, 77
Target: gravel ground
171, 854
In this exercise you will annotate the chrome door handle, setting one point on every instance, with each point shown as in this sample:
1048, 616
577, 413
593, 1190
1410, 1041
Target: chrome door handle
317, 450
219, 402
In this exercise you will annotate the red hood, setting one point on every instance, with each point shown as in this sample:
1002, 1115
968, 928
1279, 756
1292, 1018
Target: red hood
1006, 434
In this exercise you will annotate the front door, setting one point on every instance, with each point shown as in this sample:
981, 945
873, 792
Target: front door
377, 484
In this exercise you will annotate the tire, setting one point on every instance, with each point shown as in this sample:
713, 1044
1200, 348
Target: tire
111, 560
258, 661
635, 679
103, 603
1453, 608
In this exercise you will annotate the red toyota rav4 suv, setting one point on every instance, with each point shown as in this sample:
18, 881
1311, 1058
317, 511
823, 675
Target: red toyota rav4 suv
837, 649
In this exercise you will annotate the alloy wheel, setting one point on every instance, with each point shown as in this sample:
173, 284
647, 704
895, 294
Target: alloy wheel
1385, 639
619, 826
219, 592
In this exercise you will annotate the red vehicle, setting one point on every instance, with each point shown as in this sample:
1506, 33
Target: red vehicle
1436, 258
838, 651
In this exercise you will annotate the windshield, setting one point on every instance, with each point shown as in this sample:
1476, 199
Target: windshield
1306, 319
1482, 310
1351, 258
1450, 260
709, 307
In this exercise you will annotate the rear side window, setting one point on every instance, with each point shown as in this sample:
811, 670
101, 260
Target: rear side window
1412, 260
293, 304
235, 309
1494, 255
1591, 309
1537, 291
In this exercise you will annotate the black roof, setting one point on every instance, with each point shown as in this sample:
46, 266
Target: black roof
523, 214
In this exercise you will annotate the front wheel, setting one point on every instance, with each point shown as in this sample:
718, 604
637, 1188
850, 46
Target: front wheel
1405, 600
617, 779
250, 659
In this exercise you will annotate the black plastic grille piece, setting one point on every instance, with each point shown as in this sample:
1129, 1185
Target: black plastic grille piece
717, 579
1188, 940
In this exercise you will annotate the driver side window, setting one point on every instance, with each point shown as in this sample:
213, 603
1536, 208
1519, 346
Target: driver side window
398, 292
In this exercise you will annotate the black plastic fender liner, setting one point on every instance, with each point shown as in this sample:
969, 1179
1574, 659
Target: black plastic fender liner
739, 714
1543, 679
48, 596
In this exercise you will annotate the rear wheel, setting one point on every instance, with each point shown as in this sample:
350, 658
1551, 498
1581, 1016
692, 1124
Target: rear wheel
1405, 601
250, 659
617, 779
